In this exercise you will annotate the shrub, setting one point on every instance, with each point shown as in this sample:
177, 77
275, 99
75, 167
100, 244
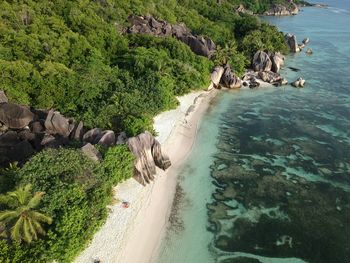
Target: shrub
77, 191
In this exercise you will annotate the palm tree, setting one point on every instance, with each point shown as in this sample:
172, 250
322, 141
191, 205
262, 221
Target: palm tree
22, 222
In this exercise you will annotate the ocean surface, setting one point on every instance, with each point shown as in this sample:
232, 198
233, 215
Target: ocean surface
269, 176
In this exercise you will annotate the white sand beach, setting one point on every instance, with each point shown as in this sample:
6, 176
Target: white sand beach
133, 235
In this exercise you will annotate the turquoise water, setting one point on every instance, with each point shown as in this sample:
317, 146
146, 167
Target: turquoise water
269, 176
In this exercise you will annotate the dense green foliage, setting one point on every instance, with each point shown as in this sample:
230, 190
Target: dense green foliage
77, 192
74, 57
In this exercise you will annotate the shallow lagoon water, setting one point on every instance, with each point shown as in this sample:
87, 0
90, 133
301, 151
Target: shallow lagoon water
269, 176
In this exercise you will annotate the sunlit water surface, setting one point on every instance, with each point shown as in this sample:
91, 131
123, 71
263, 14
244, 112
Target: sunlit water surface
269, 176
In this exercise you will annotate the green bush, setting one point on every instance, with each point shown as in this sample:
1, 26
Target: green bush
118, 164
77, 192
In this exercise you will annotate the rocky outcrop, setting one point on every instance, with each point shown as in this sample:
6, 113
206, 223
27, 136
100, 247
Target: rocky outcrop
229, 79
277, 61
261, 61
291, 42
91, 152
107, 139
265, 67
122, 138
24, 131
242, 10
148, 154
306, 41
56, 123
93, 136
309, 51
149, 25
78, 131
282, 10
3, 97
216, 75
271, 77
15, 116
251, 78
224, 77
299, 83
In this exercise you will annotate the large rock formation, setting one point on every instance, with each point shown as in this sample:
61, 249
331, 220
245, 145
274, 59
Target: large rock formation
291, 42
261, 61
108, 139
149, 25
282, 10
93, 136
56, 123
15, 116
224, 77
216, 75
229, 79
148, 153
24, 131
270, 77
265, 67
277, 61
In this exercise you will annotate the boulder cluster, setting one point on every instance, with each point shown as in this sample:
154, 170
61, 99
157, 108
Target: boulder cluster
282, 10
292, 43
224, 77
25, 131
149, 25
265, 67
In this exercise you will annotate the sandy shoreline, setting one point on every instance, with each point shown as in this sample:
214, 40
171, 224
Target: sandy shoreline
133, 235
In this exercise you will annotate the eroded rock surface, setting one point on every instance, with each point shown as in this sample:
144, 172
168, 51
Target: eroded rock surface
299, 83
261, 61
277, 61
283, 10
292, 42
15, 116
149, 25
216, 75
229, 79
148, 153
56, 123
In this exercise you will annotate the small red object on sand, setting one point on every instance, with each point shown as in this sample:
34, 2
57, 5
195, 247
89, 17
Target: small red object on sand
125, 204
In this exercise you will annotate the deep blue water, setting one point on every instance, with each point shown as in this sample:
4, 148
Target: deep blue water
269, 176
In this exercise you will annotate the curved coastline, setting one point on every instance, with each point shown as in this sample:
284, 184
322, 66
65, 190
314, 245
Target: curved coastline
135, 233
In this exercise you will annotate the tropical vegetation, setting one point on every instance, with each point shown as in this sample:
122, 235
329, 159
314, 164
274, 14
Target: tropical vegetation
22, 221
75, 57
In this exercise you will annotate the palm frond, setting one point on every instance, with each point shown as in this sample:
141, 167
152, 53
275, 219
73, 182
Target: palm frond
7, 215
22, 194
9, 201
38, 228
26, 223
32, 229
16, 229
40, 217
35, 200
27, 237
